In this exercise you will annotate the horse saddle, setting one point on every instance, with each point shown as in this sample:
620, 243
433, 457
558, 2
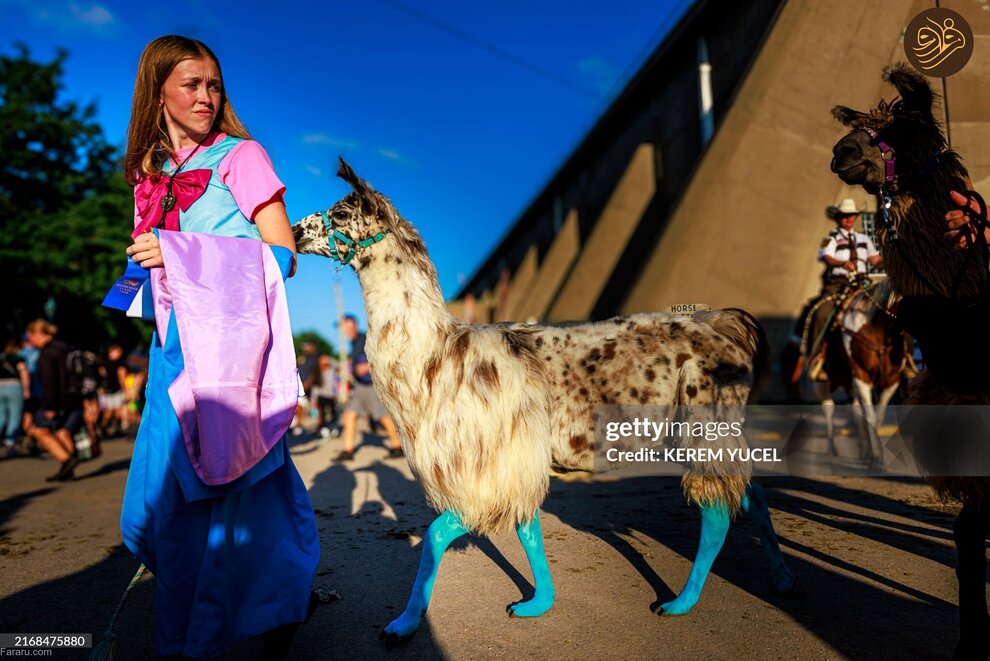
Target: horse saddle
943, 328
846, 298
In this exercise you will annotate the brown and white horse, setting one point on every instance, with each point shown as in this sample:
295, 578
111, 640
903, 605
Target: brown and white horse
865, 359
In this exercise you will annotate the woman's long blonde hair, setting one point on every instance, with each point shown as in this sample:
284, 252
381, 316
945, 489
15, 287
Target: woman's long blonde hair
148, 143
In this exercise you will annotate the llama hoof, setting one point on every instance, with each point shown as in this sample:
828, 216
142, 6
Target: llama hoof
676, 607
399, 630
784, 582
531, 608
393, 640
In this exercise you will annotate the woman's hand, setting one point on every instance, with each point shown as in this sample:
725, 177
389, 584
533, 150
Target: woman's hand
146, 251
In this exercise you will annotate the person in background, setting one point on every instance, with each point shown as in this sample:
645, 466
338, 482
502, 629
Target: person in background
59, 415
324, 395
30, 356
114, 373
847, 255
363, 400
309, 374
88, 389
135, 380
14, 390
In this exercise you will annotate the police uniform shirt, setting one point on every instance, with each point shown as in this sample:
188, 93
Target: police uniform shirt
837, 244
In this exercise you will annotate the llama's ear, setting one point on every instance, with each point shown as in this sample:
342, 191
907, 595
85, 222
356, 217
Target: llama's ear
911, 85
369, 200
359, 185
845, 115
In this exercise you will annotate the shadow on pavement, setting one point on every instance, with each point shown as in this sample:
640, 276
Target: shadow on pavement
837, 601
9, 506
362, 516
120, 465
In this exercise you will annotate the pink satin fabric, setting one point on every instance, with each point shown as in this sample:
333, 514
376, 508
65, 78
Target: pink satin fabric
187, 187
237, 394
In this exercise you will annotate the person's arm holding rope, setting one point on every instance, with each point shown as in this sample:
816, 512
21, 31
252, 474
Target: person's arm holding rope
827, 255
961, 229
832, 261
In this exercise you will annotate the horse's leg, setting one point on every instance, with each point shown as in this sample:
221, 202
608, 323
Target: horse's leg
754, 504
970, 530
864, 394
828, 408
532, 540
883, 400
445, 529
714, 526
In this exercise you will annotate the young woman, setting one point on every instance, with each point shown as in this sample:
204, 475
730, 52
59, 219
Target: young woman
233, 557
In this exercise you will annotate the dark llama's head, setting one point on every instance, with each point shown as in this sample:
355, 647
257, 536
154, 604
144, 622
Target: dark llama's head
906, 124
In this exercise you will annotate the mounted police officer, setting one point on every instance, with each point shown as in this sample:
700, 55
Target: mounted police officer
847, 255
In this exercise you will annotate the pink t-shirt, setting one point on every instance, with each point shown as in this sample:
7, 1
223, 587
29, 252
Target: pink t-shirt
247, 172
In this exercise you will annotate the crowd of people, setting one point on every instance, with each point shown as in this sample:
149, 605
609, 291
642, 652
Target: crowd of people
338, 398
64, 400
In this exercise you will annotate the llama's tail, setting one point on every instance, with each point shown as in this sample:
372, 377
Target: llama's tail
743, 330
720, 483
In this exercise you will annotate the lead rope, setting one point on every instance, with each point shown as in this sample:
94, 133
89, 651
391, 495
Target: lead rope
106, 650
167, 203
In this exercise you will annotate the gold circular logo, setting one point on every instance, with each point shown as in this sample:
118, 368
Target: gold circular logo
938, 42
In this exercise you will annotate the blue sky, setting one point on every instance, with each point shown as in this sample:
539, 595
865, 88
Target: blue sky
458, 111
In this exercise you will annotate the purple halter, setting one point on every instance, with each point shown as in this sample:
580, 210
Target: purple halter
886, 153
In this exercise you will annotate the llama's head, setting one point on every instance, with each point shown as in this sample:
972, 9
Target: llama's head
354, 222
904, 130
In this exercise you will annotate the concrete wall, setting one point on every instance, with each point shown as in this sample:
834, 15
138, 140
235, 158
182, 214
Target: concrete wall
643, 216
608, 239
653, 130
750, 223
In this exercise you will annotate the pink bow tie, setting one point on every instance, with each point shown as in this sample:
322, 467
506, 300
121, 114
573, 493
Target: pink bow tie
187, 187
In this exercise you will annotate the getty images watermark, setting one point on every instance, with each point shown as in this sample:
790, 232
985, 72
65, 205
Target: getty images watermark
709, 441
794, 440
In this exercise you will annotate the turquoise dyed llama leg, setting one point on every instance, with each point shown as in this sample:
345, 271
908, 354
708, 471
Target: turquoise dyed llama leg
714, 526
445, 529
754, 503
531, 537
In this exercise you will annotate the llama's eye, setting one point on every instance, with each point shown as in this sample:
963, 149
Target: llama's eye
341, 215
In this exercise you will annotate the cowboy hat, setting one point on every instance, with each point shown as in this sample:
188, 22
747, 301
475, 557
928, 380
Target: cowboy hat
847, 206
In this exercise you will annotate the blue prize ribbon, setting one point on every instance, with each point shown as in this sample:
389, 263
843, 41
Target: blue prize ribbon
122, 294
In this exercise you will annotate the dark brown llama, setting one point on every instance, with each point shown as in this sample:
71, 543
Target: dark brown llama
898, 152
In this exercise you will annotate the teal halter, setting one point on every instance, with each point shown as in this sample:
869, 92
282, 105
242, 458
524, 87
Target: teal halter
353, 247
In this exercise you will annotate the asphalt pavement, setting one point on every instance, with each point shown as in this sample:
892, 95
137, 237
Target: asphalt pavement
873, 559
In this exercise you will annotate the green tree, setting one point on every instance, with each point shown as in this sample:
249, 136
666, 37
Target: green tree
323, 346
65, 209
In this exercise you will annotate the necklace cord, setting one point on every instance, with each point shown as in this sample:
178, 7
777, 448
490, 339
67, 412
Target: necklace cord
168, 200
